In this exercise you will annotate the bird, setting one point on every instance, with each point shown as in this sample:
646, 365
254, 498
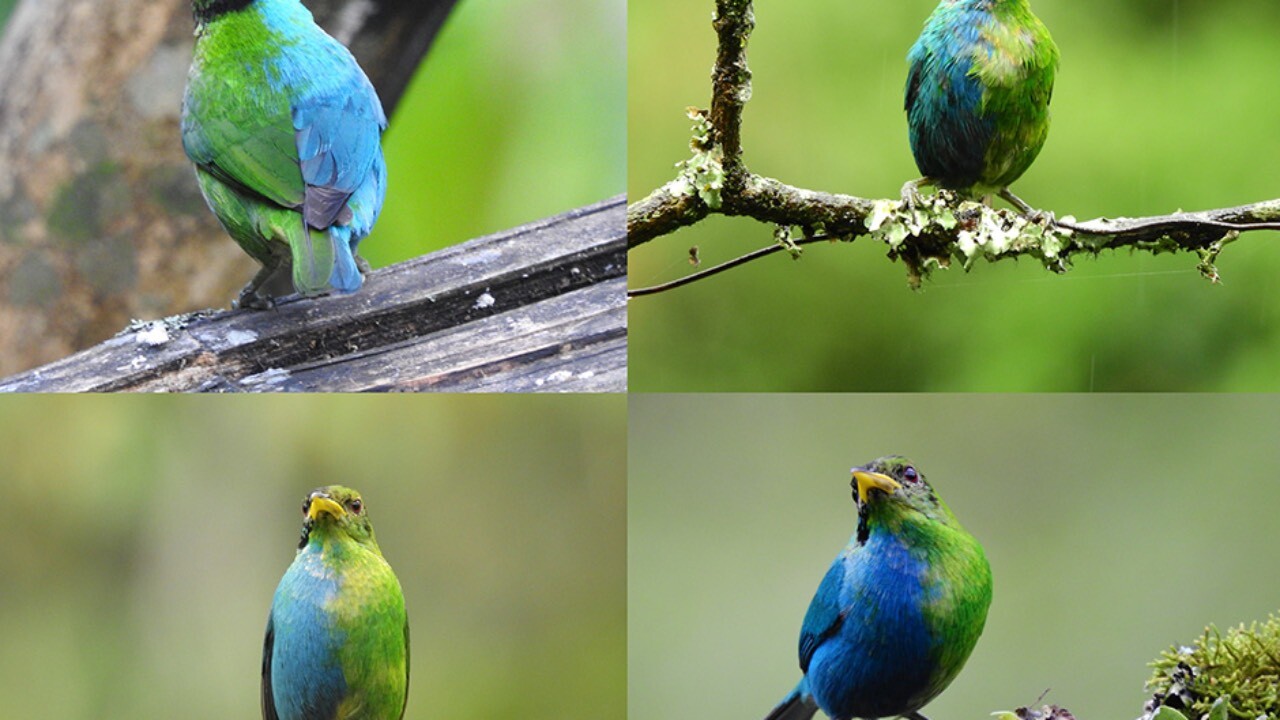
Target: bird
977, 97
337, 641
285, 132
900, 609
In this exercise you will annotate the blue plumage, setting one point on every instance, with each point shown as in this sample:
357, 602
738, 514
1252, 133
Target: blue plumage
977, 96
898, 611
337, 640
285, 131
869, 669
948, 132
307, 679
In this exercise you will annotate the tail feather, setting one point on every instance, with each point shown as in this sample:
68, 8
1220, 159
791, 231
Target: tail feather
346, 276
313, 259
799, 705
323, 261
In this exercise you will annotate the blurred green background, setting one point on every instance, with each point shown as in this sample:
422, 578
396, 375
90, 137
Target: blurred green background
1115, 525
144, 538
1159, 105
517, 113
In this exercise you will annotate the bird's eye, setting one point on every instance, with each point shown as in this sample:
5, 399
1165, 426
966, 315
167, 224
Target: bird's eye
355, 506
910, 474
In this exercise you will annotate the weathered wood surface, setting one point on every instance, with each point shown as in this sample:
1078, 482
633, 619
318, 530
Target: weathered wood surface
100, 216
541, 307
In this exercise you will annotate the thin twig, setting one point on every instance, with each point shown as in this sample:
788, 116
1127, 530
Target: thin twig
741, 260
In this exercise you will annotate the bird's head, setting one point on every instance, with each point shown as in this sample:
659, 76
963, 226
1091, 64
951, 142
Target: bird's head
893, 487
336, 511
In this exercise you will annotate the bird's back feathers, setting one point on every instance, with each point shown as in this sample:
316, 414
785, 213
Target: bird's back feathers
279, 112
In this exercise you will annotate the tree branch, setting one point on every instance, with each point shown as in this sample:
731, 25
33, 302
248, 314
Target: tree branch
538, 308
934, 233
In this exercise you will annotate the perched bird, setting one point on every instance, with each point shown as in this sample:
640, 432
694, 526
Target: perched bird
977, 97
337, 644
899, 610
285, 131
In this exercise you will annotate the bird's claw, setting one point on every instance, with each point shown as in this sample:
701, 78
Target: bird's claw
1041, 217
250, 300
911, 195
1030, 214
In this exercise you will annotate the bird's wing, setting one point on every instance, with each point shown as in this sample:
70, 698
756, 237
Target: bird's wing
825, 615
268, 699
338, 132
913, 78
251, 147
406, 667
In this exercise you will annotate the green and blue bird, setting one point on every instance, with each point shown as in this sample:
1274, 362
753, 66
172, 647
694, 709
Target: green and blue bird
900, 609
285, 131
337, 645
977, 97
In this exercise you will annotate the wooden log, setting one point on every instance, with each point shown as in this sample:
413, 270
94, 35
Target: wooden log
541, 307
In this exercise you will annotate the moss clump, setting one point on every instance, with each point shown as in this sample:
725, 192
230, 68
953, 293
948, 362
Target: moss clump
1244, 664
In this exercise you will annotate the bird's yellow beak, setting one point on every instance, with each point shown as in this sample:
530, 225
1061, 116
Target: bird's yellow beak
867, 481
321, 504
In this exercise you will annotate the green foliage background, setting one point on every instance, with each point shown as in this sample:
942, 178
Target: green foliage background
144, 538
518, 112
1159, 105
1115, 525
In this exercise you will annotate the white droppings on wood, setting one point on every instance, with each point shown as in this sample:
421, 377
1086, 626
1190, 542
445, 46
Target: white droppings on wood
555, 378
483, 257
267, 378
154, 334
240, 337
484, 301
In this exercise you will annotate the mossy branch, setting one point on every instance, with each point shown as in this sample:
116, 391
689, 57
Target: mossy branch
942, 230
1219, 677
1243, 665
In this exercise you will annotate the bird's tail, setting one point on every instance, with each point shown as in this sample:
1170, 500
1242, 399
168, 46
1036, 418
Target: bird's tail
799, 705
323, 260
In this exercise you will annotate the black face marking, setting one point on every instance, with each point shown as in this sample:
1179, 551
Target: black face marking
206, 10
864, 530
306, 534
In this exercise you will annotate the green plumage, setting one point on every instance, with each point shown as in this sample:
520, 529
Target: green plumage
337, 644
978, 94
284, 129
899, 610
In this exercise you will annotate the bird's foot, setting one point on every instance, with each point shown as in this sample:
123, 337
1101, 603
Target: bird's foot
363, 265
250, 300
1040, 217
911, 192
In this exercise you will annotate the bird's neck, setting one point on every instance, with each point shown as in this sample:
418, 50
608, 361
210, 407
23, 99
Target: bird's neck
335, 545
208, 10
989, 5
914, 529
